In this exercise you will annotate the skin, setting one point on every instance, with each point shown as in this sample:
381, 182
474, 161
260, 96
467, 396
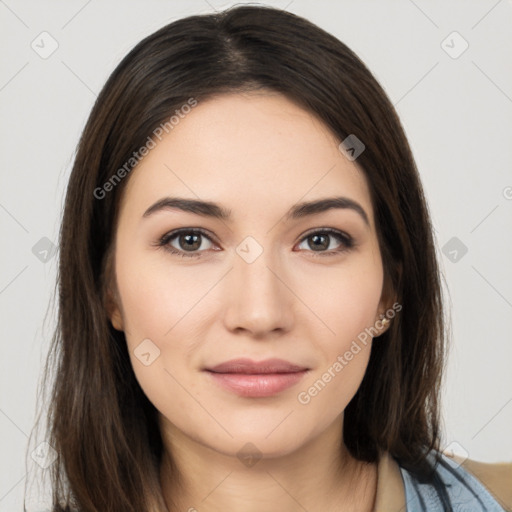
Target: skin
258, 155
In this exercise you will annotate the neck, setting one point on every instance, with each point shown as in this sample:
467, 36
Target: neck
320, 476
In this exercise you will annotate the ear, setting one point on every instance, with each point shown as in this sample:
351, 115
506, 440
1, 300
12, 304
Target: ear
111, 301
113, 310
388, 306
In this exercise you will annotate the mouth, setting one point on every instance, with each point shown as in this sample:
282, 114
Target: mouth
247, 378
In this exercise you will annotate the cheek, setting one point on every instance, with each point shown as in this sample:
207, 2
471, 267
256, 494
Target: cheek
348, 306
161, 304
156, 297
345, 298
155, 304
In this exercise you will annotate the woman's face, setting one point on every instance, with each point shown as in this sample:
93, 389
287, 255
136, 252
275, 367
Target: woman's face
266, 281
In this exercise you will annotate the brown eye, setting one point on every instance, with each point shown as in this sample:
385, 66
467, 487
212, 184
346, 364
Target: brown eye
186, 242
189, 242
317, 242
321, 242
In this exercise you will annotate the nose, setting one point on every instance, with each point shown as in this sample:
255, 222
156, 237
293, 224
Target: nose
259, 302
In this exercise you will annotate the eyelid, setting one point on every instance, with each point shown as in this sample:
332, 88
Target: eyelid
164, 241
175, 232
326, 229
346, 240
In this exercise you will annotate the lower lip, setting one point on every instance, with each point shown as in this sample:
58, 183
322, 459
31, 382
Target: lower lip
257, 385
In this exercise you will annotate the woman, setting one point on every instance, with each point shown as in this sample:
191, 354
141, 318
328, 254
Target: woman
250, 306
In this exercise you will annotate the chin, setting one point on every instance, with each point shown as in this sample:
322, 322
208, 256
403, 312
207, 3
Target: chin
268, 439
251, 449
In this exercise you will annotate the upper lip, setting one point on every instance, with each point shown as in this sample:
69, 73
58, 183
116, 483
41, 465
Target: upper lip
248, 366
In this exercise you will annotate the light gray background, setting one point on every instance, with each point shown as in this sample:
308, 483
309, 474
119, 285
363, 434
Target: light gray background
457, 113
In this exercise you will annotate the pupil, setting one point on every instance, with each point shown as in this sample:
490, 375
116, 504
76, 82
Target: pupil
318, 243
189, 241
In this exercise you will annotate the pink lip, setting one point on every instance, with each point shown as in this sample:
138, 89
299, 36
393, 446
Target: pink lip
257, 379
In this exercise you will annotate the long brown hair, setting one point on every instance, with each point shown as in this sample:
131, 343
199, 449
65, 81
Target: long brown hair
101, 424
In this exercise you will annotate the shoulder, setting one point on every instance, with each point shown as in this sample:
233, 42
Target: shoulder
496, 478
461, 485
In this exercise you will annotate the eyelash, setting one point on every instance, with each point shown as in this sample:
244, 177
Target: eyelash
345, 239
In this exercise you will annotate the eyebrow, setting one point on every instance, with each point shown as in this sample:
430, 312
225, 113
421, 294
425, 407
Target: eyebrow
297, 211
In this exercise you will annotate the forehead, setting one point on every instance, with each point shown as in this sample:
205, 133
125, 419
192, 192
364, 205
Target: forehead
255, 153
